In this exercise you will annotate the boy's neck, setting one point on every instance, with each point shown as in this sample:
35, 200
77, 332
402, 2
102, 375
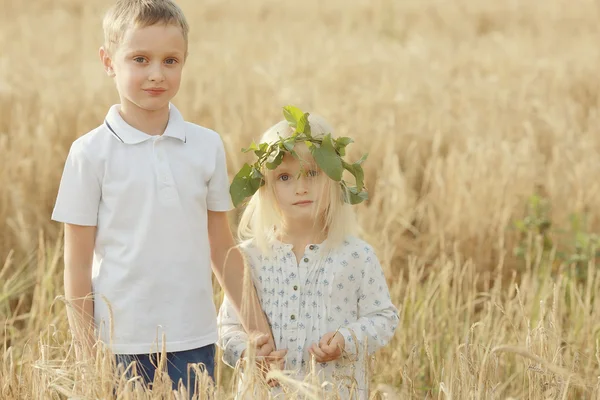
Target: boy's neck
150, 122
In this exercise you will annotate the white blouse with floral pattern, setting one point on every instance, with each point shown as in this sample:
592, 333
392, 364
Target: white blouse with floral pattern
343, 288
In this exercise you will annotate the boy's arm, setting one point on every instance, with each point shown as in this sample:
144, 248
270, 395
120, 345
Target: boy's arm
229, 268
78, 256
77, 204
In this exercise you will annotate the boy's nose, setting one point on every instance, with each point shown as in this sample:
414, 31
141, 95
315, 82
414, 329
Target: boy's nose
156, 74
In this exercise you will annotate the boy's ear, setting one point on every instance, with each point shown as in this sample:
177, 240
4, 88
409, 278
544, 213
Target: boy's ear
106, 62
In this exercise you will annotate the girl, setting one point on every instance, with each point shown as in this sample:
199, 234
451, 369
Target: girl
321, 287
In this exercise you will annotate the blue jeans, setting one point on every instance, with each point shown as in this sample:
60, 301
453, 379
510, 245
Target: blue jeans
177, 365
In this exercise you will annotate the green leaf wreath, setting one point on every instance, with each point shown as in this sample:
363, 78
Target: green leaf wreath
327, 152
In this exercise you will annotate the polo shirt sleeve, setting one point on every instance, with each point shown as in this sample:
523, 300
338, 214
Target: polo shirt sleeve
218, 198
79, 190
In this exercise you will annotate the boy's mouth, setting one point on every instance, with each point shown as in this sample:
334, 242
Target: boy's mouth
155, 91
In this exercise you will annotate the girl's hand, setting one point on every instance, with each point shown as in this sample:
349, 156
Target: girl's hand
266, 357
330, 347
275, 360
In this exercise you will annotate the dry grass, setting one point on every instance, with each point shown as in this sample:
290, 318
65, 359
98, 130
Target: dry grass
467, 109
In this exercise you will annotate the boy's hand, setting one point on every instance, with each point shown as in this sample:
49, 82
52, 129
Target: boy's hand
266, 356
263, 346
330, 347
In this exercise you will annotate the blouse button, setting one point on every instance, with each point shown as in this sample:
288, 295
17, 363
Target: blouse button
293, 317
306, 260
295, 287
312, 247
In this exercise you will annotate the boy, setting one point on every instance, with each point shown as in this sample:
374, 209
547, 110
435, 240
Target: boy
144, 198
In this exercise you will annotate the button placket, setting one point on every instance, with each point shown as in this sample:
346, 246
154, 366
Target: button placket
164, 176
294, 296
307, 259
301, 321
309, 253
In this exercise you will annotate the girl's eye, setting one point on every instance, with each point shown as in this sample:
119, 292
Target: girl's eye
313, 173
284, 177
171, 61
139, 59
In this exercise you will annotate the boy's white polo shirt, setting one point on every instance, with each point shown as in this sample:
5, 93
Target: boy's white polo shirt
148, 197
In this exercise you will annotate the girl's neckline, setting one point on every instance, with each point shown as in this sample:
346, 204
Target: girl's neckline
279, 243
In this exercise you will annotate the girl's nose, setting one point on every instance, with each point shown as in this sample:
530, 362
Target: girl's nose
301, 186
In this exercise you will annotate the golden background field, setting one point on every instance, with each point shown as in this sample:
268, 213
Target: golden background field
467, 108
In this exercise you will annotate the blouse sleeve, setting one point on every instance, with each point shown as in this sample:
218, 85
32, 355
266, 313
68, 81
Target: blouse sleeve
377, 316
232, 336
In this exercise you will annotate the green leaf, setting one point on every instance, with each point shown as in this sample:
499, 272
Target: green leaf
354, 196
359, 175
362, 159
244, 184
289, 143
292, 115
303, 125
262, 149
520, 225
259, 150
327, 159
359, 198
344, 141
252, 147
256, 174
341, 143
276, 160
356, 171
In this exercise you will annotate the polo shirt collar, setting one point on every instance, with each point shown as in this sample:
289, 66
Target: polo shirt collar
129, 135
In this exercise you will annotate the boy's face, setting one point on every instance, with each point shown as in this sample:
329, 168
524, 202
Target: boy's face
147, 66
299, 189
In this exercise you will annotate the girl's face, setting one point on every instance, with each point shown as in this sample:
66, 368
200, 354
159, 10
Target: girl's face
299, 189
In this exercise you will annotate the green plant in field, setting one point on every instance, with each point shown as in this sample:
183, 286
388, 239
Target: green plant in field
576, 246
580, 246
536, 222
327, 152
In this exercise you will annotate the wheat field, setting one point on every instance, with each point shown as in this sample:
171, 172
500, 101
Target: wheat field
481, 121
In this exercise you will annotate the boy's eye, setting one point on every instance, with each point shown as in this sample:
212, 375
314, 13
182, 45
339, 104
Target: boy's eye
171, 61
139, 59
312, 173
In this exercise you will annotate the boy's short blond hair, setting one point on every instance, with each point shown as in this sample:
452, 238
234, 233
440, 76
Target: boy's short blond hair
125, 14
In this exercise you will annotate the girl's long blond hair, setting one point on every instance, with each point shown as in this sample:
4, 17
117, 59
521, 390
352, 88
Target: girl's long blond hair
261, 221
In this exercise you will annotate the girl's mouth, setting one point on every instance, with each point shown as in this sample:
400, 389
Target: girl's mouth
303, 202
